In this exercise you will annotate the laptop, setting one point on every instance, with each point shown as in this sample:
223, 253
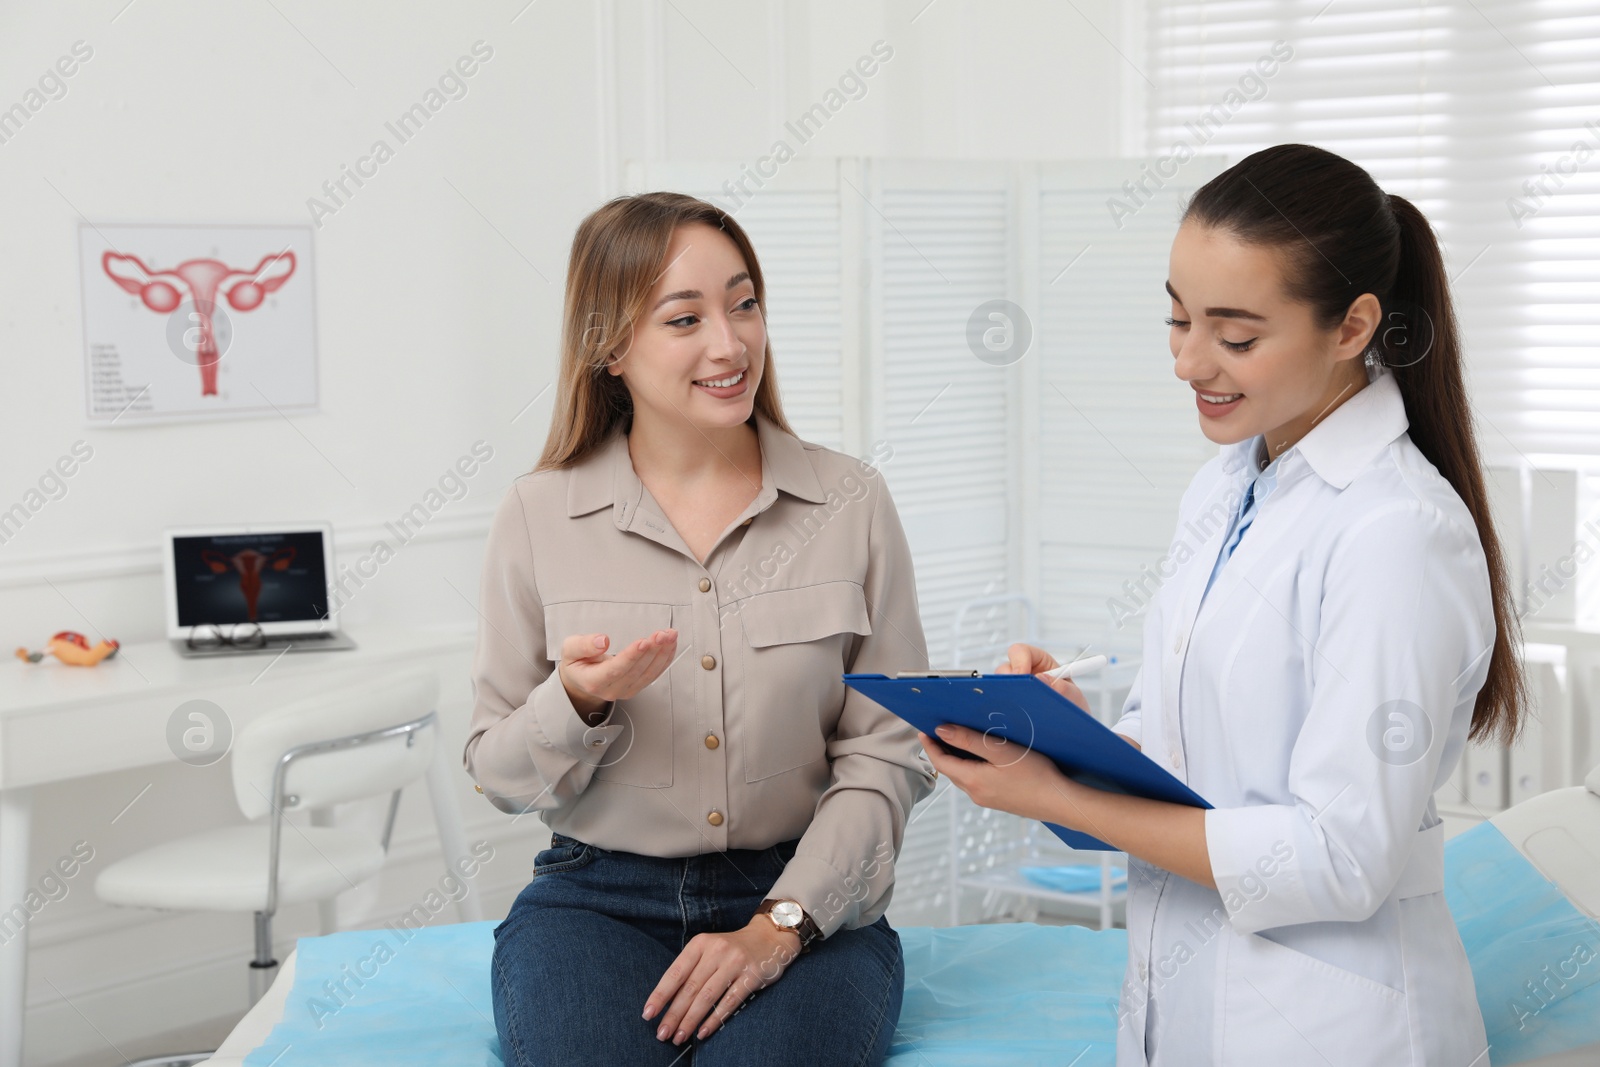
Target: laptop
245, 589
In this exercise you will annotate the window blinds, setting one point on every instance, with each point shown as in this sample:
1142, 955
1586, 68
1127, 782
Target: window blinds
1485, 113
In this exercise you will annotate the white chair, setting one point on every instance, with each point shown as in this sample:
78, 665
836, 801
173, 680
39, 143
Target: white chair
344, 744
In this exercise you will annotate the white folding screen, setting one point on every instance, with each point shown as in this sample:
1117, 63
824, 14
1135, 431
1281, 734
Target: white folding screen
941, 242
1118, 435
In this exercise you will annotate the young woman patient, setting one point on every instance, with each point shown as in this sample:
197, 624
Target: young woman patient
1317, 663
668, 602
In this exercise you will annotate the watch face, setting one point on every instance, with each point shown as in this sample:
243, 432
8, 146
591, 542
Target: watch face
787, 913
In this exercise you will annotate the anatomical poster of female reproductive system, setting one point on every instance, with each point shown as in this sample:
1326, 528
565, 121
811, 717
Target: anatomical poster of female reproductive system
196, 322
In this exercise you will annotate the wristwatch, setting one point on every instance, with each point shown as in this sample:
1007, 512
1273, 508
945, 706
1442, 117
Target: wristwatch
789, 915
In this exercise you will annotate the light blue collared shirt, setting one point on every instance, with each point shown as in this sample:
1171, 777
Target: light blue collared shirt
1261, 486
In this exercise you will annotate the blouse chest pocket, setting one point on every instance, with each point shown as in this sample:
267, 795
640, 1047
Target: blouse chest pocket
642, 754
796, 644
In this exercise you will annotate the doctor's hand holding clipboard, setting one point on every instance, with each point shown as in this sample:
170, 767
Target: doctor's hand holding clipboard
1011, 777
1021, 659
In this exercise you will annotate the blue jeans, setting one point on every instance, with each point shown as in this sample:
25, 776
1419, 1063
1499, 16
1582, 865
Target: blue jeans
588, 939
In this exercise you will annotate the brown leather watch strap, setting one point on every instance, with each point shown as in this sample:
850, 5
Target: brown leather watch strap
808, 930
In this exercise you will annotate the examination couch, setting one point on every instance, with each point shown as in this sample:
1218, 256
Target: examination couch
1524, 888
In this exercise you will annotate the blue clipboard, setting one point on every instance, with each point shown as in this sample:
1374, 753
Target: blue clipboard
1021, 708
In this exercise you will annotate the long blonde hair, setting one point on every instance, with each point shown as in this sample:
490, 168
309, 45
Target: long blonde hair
617, 254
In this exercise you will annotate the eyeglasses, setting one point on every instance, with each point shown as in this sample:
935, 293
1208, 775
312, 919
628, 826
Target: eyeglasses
239, 634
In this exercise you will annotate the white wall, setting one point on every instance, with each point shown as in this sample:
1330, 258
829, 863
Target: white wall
438, 302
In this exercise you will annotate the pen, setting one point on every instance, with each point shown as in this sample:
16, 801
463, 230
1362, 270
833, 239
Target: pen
1087, 665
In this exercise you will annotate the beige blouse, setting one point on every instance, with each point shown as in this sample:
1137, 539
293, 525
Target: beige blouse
750, 737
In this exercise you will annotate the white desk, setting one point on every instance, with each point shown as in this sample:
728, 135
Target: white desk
59, 722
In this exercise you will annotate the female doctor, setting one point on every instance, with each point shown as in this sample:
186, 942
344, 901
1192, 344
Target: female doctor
1338, 625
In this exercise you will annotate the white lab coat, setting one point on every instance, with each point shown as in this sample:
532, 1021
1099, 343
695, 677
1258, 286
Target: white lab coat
1317, 698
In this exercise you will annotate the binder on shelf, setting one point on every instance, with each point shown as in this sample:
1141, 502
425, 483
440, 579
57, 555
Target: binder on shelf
1540, 757
1487, 771
1022, 709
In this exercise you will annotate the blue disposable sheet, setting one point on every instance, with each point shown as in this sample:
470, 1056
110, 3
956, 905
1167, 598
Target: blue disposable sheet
1009, 994
1535, 958
1074, 877
1002, 995
397, 997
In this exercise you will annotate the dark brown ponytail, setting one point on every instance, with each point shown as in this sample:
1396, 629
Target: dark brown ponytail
1342, 236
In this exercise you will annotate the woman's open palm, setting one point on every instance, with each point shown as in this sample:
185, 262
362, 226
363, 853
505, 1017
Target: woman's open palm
592, 677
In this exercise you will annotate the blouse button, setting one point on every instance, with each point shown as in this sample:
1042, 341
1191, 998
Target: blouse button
705, 585
748, 521
711, 741
479, 788
715, 818
709, 662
